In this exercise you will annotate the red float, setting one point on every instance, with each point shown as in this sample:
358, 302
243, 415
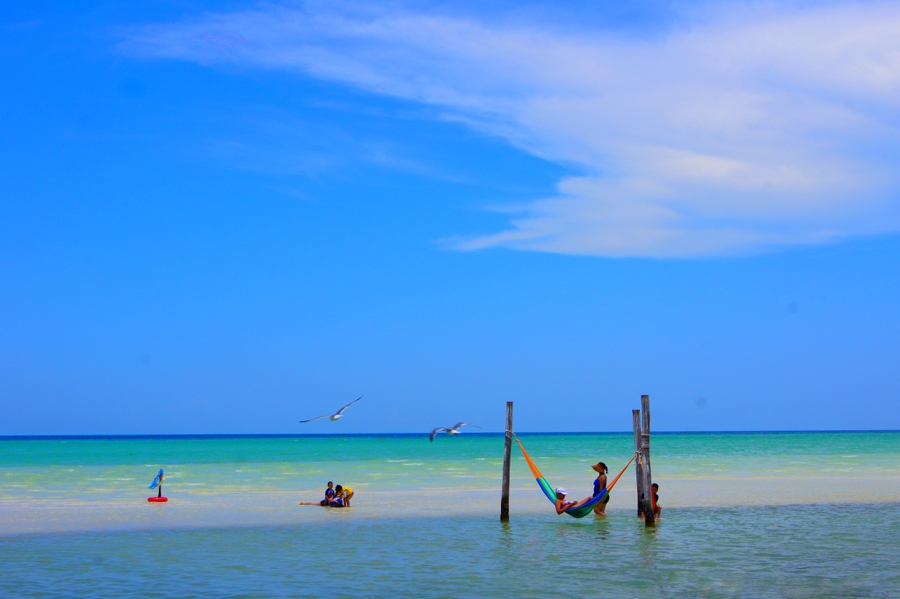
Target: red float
157, 499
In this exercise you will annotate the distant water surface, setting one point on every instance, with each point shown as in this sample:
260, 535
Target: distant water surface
745, 515
117, 467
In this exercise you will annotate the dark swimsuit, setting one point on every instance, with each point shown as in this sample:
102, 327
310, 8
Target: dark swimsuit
598, 490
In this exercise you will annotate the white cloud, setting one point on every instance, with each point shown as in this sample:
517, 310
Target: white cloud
733, 133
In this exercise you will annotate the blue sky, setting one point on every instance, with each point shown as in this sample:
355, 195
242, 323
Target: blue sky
226, 217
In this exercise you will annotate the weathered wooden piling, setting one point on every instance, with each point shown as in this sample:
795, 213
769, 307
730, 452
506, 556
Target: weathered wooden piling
638, 469
649, 516
504, 496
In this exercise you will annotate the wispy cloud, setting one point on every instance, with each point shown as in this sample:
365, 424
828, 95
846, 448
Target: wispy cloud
734, 132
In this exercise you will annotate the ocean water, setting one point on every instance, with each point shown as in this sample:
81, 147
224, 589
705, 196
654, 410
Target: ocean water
744, 515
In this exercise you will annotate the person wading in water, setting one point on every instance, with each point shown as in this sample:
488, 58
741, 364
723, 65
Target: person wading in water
599, 487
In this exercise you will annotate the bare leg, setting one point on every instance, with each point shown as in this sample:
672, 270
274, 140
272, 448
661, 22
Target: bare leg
579, 503
600, 508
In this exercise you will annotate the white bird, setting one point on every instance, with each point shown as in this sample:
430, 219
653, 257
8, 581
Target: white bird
454, 430
336, 415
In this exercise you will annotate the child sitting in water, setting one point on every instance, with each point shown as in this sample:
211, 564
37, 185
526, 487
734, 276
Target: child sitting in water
329, 494
338, 499
332, 497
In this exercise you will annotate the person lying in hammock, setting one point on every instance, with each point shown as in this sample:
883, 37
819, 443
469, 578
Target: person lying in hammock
562, 505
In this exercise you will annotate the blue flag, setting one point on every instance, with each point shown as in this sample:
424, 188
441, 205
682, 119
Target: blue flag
158, 480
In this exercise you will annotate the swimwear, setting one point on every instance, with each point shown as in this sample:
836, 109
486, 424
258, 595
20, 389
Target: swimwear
598, 490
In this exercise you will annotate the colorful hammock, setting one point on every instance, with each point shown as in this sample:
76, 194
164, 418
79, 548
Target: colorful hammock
579, 511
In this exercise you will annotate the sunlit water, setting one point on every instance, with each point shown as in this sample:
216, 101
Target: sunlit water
745, 515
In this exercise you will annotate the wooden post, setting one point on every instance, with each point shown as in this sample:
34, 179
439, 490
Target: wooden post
504, 496
649, 516
638, 463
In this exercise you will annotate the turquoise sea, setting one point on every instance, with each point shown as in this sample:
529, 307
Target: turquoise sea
744, 515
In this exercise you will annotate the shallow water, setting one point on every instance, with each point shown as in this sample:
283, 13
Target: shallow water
41, 468
807, 551
58, 485
745, 515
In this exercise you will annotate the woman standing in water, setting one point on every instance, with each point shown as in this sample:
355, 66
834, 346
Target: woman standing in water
599, 487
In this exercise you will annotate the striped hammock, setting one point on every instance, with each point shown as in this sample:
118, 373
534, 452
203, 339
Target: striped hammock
578, 511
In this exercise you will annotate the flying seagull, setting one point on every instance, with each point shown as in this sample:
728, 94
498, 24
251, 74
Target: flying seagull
450, 431
336, 415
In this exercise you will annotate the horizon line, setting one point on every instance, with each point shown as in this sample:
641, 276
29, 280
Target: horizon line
470, 434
